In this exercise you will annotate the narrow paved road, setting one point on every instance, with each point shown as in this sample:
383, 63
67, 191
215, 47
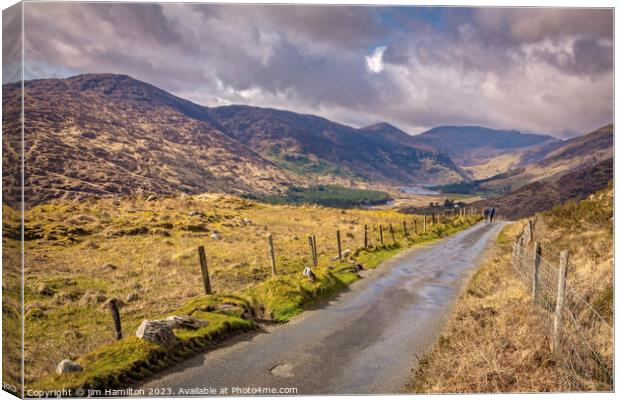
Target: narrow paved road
364, 341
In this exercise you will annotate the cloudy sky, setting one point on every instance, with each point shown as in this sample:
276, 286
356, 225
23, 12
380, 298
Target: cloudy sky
540, 70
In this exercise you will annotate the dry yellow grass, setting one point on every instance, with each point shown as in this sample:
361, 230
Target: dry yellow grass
497, 340
494, 165
81, 253
493, 342
586, 230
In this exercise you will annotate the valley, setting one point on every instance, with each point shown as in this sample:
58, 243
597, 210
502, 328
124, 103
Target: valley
107, 135
124, 181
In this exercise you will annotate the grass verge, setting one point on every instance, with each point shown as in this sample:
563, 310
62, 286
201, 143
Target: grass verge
278, 299
497, 340
493, 341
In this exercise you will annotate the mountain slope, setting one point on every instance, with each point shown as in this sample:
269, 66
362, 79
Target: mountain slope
545, 194
463, 142
110, 134
315, 146
483, 152
539, 163
571, 155
105, 134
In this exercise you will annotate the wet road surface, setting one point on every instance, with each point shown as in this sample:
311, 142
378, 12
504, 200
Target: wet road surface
366, 340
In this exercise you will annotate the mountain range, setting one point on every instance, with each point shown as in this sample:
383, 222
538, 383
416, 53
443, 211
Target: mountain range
105, 134
474, 147
545, 163
321, 149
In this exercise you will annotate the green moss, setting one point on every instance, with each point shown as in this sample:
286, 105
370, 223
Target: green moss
131, 358
208, 302
283, 297
371, 259
218, 323
107, 364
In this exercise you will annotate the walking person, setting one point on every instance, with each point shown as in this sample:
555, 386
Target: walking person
486, 214
492, 213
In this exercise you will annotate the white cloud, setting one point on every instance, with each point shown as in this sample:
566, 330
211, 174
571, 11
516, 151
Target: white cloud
374, 62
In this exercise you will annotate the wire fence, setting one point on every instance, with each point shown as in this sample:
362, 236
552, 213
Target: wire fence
582, 338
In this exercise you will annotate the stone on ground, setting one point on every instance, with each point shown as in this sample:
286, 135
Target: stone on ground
157, 332
67, 366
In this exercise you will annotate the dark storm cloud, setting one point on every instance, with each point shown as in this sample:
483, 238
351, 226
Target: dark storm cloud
143, 22
587, 56
535, 69
341, 26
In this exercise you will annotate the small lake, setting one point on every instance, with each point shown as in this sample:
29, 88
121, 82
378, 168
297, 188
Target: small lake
419, 190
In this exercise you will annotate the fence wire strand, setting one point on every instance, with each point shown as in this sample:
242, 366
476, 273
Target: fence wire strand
585, 350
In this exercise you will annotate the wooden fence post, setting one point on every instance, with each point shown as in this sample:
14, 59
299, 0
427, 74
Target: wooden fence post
559, 304
311, 248
113, 305
405, 229
365, 236
339, 247
392, 233
424, 223
313, 253
273, 255
381, 234
415, 226
530, 231
536, 270
206, 283
432, 218
316, 255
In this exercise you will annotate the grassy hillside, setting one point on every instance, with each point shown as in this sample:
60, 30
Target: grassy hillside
143, 251
496, 340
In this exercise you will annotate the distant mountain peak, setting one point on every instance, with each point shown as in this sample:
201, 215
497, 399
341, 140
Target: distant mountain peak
381, 126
